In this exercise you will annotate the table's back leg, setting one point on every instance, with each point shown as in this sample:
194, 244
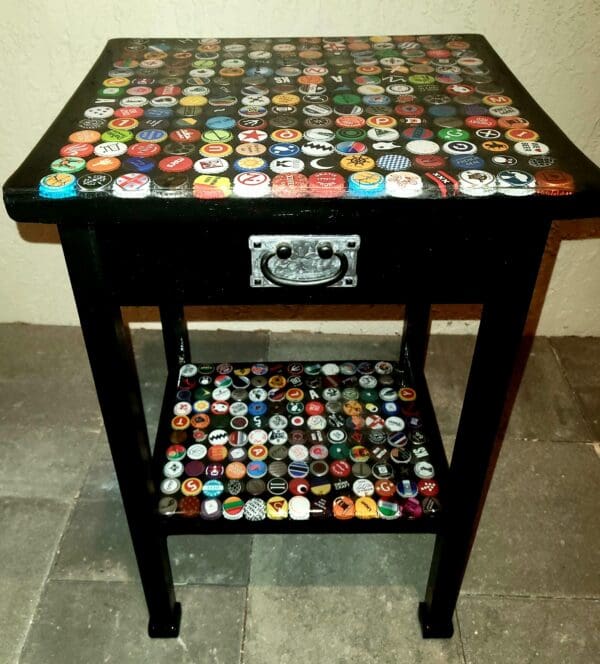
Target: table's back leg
477, 441
417, 318
175, 334
115, 376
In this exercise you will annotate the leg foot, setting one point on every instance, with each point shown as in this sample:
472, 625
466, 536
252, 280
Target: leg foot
166, 630
431, 629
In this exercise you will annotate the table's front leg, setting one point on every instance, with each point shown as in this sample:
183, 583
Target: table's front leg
115, 376
478, 439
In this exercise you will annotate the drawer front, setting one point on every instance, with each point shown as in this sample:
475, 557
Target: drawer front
217, 266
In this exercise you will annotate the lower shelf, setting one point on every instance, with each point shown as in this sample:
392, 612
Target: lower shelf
298, 447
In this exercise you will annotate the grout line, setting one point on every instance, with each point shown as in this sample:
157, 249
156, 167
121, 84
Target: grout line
583, 598
535, 441
137, 582
46, 579
68, 522
576, 398
471, 595
268, 350
32, 498
243, 639
246, 603
460, 636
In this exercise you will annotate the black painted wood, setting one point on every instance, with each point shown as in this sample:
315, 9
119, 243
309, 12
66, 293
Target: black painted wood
117, 387
175, 334
477, 444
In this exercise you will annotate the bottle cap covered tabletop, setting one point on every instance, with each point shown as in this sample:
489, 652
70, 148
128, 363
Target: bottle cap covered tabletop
213, 125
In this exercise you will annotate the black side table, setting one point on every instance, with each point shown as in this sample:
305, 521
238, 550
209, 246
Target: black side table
302, 170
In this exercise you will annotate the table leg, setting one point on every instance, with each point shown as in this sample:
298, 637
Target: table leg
175, 335
115, 376
417, 318
478, 442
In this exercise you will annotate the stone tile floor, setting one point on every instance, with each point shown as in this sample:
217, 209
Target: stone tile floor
69, 591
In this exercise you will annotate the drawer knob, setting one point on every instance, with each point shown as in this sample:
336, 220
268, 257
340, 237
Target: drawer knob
325, 251
284, 251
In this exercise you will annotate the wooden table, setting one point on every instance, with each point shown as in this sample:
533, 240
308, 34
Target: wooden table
406, 169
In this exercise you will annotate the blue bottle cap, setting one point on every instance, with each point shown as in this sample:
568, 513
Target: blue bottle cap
220, 122
152, 135
467, 161
366, 184
284, 150
390, 408
256, 469
155, 112
57, 185
257, 408
393, 162
140, 164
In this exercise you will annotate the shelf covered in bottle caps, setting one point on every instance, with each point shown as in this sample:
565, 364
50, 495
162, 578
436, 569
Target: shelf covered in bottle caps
349, 446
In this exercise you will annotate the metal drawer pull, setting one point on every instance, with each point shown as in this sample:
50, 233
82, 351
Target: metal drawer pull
284, 251
303, 260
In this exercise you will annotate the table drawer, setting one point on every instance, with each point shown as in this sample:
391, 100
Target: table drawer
222, 265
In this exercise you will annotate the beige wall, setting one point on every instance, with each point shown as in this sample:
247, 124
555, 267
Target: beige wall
552, 46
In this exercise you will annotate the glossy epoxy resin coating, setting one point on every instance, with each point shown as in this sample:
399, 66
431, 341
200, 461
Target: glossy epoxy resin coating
323, 117
297, 441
